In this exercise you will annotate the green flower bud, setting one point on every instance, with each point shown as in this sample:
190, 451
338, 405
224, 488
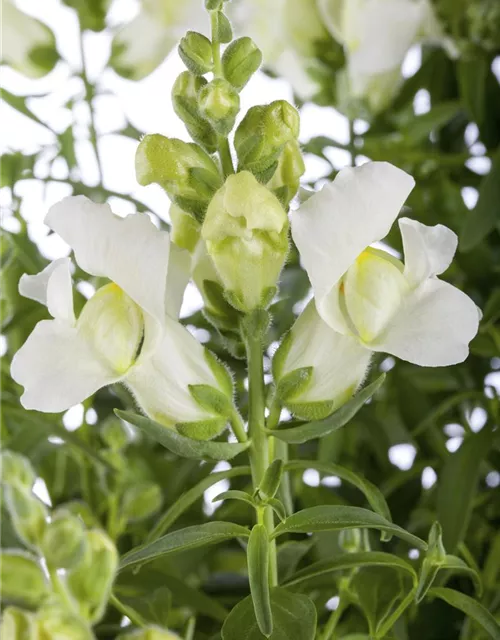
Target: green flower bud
91, 580
185, 230
18, 625
219, 104
141, 501
434, 559
240, 61
186, 172
28, 514
63, 542
115, 433
22, 578
224, 31
262, 134
186, 106
246, 234
57, 623
286, 179
351, 540
114, 325
195, 51
149, 633
16, 469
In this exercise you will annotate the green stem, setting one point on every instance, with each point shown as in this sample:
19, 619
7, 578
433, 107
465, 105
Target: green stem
89, 97
191, 627
259, 450
238, 427
222, 141
333, 620
134, 617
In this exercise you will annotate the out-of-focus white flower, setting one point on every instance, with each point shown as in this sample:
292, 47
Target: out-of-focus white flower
128, 331
142, 44
365, 293
28, 45
377, 34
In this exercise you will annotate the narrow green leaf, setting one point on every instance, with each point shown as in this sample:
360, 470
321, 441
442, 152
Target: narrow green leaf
271, 480
294, 617
180, 445
233, 494
336, 518
457, 487
258, 576
373, 495
321, 428
278, 507
187, 499
421, 126
457, 565
470, 607
184, 539
352, 561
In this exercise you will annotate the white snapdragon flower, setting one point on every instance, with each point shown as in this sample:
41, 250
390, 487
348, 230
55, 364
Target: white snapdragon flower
28, 45
364, 293
127, 332
144, 43
377, 35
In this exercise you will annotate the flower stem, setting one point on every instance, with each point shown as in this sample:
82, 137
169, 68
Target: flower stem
329, 630
222, 141
259, 450
238, 427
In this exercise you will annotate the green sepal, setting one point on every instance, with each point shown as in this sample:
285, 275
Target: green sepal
216, 299
311, 411
224, 29
280, 356
294, 383
267, 296
221, 373
202, 430
240, 61
264, 176
22, 578
271, 480
204, 181
255, 325
211, 399
28, 514
195, 50
221, 323
196, 207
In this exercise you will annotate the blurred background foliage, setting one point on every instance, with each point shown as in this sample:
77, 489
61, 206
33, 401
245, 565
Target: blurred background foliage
429, 439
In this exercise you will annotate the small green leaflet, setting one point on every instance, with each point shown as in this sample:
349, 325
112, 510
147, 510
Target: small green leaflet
470, 607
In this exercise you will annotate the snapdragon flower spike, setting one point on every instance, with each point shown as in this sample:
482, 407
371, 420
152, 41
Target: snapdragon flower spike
128, 331
364, 293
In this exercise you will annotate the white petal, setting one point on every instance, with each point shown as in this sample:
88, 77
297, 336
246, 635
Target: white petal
53, 288
340, 362
433, 327
130, 251
335, 225
56, 368
179, 266
160, 382
332, 12
428, 250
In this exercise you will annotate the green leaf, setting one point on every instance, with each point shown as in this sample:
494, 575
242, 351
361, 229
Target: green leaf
420, 127
486, 214
352, 561
184, 539
457, 565
470, 607
336, 518
290, 553
180, 445
294, 618
258, 576
233, 494
278, 507
187, 499
374, 496
321, 428
457, 487
271, 480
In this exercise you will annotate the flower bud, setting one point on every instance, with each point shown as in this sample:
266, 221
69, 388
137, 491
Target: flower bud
185, 230
434, 559
57, 623
90, 581
114, 325
219, 104
371, 291
186, 106
246, 234
262, 134
195, 51
240, 61
63, 541
141, 501
28, 514
17, 624
16, 469
22, 578
316, 369
186, 172
286, 179
351, 540
149, 633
